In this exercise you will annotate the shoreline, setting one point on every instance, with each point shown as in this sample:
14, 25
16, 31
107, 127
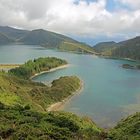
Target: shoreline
9, 66
59, 105
51, 70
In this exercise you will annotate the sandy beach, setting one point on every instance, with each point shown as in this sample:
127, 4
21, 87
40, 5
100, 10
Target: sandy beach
51, 70
59, 105
9, 66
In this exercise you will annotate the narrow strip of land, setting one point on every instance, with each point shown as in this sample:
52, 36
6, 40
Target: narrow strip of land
59, 105
51, 70
9, 66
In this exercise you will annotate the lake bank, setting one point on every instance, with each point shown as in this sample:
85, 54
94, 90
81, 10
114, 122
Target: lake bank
51, 70
59, 105
9, 66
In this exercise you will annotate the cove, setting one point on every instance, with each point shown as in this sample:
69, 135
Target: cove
110, 92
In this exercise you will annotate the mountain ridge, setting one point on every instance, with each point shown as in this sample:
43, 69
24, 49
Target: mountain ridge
46, 39
129, 49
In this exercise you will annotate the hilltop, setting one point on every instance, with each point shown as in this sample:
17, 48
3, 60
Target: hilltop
46, 39
129, 49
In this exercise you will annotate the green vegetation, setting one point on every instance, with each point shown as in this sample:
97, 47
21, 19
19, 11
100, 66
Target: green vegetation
46, 39
129, 49
5, 39
30, 68
23, 108
13, 33
105, 48
24, 104
21, 123
76, 47
128, 66
15, 91
127, 129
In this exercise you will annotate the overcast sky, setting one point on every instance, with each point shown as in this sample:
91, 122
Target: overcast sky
89, 19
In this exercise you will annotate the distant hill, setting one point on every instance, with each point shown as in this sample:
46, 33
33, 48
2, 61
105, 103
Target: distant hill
128, 49
125, 49
4, 39
43, 37
47, 39
13, 32
105, 47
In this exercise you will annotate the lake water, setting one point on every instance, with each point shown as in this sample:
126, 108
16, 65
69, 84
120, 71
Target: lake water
110, 92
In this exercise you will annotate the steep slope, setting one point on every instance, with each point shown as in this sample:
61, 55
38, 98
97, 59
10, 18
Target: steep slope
46, 39
15, 91
127, 129
105, 47
128, 49
43, 37
125, 49
55, 41
13, 32
22, 123
4, 39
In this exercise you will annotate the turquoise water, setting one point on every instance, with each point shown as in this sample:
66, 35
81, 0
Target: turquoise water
110, 92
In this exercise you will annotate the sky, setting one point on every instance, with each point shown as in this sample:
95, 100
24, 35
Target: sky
89, 21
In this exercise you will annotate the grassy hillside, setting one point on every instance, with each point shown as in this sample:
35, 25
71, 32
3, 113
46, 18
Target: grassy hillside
127, 129
32, 67
76, 47
105, 48
46, 39
125, 49
4, 39
43, 37
22, 123
15, 91
128, 49
13, 32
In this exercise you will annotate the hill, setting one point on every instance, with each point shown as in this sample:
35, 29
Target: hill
46, 39
105, 47
127, 129
126, 49
13, 33
4, 39
22, 123
32, 67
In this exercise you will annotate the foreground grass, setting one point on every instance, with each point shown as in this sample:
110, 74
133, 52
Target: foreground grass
21, 123
127, 129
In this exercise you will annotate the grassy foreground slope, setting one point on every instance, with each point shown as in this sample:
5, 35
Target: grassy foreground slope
15, 91
24, 124
127, 129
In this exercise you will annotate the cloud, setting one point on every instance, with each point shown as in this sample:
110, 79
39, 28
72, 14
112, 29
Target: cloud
73, 17
131, 3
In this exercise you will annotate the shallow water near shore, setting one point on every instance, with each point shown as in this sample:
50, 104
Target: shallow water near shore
110, 92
